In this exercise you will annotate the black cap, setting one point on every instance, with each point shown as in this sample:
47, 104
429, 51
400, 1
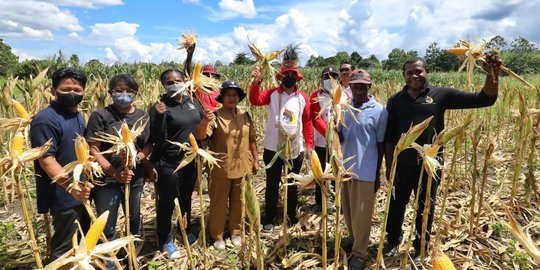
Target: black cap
329, 71
230, 84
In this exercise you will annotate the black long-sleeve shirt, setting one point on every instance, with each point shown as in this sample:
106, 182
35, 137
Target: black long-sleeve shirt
404, 111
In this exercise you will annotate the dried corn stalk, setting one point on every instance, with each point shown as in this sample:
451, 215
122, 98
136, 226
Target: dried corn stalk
264, 61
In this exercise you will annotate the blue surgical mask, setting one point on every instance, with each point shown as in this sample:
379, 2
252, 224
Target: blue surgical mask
123, 100
174, 88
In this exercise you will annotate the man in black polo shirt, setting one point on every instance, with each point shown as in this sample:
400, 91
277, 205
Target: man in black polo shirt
417, 101
60, 122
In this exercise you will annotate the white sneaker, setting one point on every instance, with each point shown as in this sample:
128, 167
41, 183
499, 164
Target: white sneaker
170, 249
236, 240
219, 244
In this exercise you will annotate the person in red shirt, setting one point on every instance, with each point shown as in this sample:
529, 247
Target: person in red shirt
289, 117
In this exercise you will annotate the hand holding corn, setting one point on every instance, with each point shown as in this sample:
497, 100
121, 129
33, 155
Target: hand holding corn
123, 176
492, 65
161, 108
257, 75
81, 192
208, 115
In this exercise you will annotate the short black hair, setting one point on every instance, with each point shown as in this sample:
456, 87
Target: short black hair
347, 63
126, 78
414, 60
165, 73
68, 73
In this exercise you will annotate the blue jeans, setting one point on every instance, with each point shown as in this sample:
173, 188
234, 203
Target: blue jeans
110, 197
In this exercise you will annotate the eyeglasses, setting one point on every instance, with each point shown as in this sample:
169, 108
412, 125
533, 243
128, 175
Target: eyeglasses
344, 69
121, 90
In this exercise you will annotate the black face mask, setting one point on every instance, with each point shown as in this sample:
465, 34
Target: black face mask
68, 99
288, 81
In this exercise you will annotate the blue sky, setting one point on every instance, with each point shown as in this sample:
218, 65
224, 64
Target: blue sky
128, 30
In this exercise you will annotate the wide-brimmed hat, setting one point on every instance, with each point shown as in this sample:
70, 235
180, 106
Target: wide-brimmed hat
211, 70
230, 84
360, 76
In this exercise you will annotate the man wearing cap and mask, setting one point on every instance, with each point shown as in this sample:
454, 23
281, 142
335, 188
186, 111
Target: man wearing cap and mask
289, 117
363, 142
320, 119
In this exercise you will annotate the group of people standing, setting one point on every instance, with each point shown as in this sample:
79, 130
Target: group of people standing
369, 132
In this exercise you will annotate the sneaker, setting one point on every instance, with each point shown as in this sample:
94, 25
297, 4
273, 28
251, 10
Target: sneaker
170, 249
390, 250
356, 263
268, 228
346, 244
219, 244
236, 240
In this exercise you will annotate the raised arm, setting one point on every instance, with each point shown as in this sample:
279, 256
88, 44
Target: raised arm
318, 122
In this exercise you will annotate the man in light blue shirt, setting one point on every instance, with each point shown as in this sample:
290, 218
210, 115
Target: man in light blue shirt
362, 140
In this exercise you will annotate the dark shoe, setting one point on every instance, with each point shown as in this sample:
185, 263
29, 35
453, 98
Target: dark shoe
390, 249
316, 208
191, 238
347, 244
292, 220
356, 263
417, 259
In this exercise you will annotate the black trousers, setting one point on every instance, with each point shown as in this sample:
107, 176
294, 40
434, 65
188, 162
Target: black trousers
273, 179
171, 185
408, 176
64, 227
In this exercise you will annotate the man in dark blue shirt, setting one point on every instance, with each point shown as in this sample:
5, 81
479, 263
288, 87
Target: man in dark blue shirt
416, 102
60, 122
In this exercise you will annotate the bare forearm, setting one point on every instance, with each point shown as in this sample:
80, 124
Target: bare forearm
254, 151
491, 86
52, 168
388, 154
101, 160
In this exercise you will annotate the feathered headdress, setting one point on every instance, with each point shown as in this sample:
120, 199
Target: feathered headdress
290, 61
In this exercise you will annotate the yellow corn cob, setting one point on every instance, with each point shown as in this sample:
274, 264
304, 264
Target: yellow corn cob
95, 231
81, 149
197, 72
337, 95
126, 134
21, 111
189, 39
433, 150
193, 142
458, 50
17, 144
316, 165
442, 262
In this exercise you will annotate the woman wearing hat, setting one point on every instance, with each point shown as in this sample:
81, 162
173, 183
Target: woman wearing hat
233, 135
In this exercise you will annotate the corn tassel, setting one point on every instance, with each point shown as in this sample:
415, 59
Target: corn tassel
193, 143
95, 231
81, 149
316, 165
126, 134
17, 144
21, 111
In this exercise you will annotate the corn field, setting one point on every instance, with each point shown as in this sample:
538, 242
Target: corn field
487, 212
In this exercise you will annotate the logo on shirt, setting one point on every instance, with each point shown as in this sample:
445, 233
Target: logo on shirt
191, 106
429, 100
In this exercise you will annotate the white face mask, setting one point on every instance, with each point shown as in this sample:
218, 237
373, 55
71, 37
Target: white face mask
327, 85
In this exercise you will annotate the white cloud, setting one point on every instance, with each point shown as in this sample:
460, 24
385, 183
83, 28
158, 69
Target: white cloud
107, 32
86, 3
237, 8
34, 20
75, 36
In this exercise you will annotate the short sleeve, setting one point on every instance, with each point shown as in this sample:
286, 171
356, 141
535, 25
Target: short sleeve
210, 127
95, 125
40, 133
382, 124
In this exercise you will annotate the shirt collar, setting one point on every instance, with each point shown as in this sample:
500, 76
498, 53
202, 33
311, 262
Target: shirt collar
61, 108
427, 86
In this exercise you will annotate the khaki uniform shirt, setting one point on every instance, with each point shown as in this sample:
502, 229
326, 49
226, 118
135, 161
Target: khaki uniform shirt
231, 138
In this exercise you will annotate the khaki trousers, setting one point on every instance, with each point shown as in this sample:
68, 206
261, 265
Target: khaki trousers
357, 203
225, 192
